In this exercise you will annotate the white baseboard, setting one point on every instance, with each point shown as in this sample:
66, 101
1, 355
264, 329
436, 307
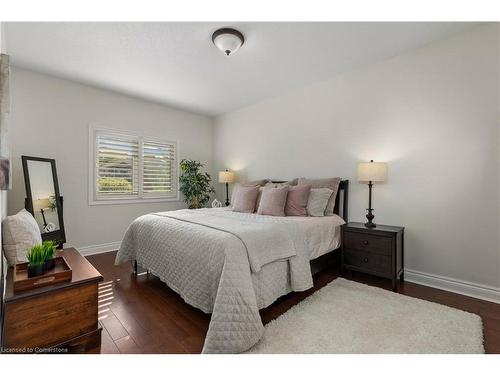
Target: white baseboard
98, 249
449, 284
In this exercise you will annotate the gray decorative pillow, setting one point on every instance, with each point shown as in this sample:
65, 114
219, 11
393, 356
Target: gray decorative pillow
329, 183
20, 233
245, 199
272, 201
286, 183
262, 182
318, 200
259, 195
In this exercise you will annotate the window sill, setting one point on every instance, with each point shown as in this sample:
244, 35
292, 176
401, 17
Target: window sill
104, 202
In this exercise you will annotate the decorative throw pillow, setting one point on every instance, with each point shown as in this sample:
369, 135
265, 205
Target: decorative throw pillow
272, 201
318, 200
329, 183
236, 186
245, 199
286, 183
296, 200
262, 182
20, 233
259, 195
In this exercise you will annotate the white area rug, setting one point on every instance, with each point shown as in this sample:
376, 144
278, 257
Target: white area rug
349, 317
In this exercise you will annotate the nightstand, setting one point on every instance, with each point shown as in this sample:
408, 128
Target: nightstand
377, 251
57, 318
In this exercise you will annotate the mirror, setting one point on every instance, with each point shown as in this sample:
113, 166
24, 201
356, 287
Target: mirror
43, 199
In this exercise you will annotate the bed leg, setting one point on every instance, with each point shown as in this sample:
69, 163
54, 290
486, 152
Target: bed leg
135, 269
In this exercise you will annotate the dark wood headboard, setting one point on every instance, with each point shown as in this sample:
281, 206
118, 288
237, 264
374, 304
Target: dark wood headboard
341, 200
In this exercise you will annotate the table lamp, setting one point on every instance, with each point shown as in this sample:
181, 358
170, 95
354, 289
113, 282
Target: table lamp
371, 172
39, 205
226, 177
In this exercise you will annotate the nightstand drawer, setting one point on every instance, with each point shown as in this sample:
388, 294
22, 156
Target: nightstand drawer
366, 260
360, 241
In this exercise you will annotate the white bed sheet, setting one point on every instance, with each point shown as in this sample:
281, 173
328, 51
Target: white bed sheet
273, 280
323, 233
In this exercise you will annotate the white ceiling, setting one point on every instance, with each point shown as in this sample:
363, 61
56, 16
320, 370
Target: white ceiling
176, 63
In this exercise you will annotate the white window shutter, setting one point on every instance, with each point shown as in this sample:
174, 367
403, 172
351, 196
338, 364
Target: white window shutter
131, 168
158, 168
117, 165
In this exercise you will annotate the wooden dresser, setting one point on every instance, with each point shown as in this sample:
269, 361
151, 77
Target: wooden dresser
378, 251
57, 318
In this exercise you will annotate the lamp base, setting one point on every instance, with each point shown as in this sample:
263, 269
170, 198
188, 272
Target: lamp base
370, 216
227, 194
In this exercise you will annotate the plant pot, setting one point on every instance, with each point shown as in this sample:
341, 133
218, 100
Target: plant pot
49, 264
35, 270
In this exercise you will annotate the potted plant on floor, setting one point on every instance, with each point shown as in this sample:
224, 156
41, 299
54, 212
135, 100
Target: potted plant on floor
49, 249
194, 183
36, 261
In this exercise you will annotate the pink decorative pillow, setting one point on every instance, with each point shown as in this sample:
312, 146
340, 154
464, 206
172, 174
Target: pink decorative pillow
296, 201
245, 199
272, 201
234, 193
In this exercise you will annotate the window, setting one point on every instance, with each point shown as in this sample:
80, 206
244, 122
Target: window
127, 167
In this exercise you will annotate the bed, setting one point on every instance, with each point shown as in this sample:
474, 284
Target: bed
232, 264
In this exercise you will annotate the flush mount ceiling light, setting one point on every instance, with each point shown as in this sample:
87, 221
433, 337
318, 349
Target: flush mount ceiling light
228, 40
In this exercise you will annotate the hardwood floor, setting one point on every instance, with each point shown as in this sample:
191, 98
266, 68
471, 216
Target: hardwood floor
142, 315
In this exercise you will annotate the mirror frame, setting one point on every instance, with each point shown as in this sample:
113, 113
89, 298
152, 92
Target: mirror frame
58, 236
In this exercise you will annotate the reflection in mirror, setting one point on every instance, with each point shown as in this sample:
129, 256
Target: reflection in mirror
43, 195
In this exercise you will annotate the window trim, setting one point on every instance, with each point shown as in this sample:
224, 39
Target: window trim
94, 200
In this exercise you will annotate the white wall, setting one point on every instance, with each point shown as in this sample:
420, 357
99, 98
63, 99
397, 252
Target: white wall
431, 114
2, 37
50, 118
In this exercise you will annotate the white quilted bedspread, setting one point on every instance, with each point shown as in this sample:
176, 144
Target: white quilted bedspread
265, 240
208, 256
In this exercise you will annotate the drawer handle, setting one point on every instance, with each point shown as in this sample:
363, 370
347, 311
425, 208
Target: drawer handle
365, 242
365, 260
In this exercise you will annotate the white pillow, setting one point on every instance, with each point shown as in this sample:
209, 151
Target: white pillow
318, 199
20, 233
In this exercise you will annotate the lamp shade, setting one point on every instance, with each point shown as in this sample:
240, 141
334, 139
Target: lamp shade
40, 204
226, 177
375, 172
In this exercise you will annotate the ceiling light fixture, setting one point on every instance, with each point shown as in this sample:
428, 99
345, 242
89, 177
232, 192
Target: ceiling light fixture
228, 40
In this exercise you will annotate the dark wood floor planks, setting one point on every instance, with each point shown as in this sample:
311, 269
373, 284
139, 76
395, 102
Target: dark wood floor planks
142, 315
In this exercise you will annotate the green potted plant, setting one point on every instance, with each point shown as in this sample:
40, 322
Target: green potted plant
194, 183
36, 261
49, 249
